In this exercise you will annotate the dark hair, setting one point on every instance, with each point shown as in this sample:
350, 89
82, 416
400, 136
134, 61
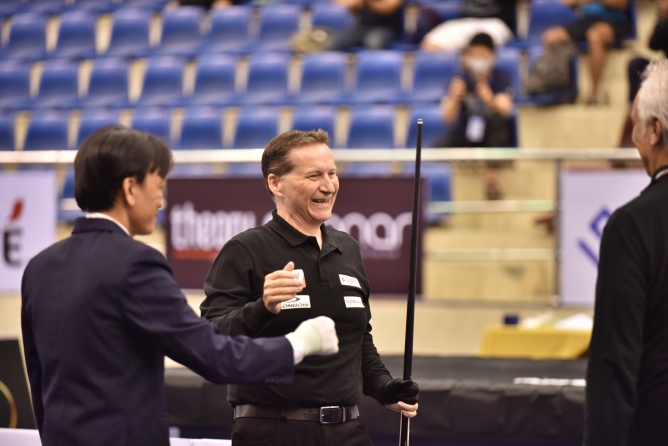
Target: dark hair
276, 156
110, 155
482, 39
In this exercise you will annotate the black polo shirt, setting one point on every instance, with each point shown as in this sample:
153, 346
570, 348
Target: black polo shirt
336, 286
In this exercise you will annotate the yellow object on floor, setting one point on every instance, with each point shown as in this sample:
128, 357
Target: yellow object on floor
535, 343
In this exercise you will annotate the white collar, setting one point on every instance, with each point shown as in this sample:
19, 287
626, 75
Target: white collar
107, 217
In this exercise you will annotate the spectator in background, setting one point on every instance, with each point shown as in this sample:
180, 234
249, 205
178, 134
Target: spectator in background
602, 23
658, 42
479, 105
379, 23
493, 17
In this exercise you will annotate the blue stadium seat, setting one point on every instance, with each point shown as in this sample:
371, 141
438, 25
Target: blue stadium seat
47, 6
163, 82
152, 5
267, 79
557, 97
332, 16
544, 15
255, 127
378, 77
323, 78
508, 59
47, 130
229, 31
315, 117
98, 6
14, 84
93, 120
6, 132
153, 120
130, 33
438, 186
58, 86
76, 36
433, 126
201, 129
10, 7
181, 31
278, 23
215, 80
432, 75
108, 86
371, 128
27, 37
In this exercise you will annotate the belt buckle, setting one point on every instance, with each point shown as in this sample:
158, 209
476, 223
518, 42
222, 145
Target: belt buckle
331, 415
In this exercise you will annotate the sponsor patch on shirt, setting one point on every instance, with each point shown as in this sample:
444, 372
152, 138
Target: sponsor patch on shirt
349, 281
296, 303
353, 302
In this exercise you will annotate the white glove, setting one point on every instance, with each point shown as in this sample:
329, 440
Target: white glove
314, 337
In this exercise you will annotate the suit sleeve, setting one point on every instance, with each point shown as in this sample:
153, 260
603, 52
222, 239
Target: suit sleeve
228, 288
374, 373
33, 364
154, 304
617, 338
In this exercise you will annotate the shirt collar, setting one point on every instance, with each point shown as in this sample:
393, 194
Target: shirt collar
293, 236
660, 173
107, 217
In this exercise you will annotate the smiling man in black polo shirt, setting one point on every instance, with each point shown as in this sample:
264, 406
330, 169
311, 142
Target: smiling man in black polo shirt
269, 279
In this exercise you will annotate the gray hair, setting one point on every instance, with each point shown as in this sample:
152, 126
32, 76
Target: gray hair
653, 96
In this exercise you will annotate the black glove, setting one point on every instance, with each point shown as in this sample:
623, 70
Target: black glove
399, 390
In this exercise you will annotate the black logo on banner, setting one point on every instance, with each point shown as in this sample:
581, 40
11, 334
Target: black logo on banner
11, 236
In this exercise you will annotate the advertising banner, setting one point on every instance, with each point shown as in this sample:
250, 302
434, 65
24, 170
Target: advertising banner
203, 214
588, 199
27, 222
15, 406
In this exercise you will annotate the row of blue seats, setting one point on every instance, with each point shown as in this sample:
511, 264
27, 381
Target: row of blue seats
9, 7
231, 31
378, 79
202, 128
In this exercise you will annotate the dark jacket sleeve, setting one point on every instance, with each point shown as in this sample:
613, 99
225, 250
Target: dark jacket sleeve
617, 338
659, 39
374, 373
33, 364
228, 289
154, 305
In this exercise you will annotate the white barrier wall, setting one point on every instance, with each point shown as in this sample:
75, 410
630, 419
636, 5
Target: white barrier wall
27, 221
588, 199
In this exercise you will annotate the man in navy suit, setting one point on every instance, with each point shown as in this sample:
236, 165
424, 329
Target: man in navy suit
101, 310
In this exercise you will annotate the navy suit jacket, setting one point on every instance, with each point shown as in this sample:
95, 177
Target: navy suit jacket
99, 313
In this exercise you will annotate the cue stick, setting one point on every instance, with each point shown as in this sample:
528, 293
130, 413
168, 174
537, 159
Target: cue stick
404, 432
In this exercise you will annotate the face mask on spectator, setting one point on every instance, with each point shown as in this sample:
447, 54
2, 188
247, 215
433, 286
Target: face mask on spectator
480, 65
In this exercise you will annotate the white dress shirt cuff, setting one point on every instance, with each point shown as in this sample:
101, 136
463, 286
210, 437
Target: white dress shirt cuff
297, 347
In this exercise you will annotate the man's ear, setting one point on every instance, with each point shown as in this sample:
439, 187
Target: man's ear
272, 182
656, 136
129, 189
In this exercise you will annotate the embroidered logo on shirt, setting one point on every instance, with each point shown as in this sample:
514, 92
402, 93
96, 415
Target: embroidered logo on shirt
349, 281
353, 302
298, 302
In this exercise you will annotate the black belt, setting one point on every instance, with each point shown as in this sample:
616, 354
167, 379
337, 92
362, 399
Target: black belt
323, 415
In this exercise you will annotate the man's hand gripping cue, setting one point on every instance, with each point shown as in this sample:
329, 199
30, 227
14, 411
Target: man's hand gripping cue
281, 286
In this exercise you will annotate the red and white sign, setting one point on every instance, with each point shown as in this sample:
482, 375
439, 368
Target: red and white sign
27, 222
205, 213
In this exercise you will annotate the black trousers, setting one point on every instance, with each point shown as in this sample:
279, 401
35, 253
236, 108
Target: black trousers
268, 432
636, 68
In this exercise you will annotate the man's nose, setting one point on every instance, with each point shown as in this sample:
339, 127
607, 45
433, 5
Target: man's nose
327, 186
